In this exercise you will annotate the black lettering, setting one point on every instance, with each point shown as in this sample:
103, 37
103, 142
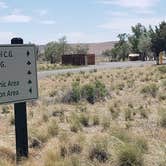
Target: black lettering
13, 93
5, 54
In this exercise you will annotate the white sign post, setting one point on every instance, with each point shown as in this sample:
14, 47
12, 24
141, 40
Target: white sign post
18, 73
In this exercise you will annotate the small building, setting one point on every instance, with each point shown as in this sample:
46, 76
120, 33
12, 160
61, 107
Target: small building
134, 57
78, 59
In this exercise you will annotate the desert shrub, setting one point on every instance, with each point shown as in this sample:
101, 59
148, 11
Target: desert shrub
164, 83
128, 114
75, 124
91, 92
81, 108
40, 134
130, 155
5, 109
75, 148
162, 96
88, 92
128, 125
114, 112
94, 91
143, 112
84, 119
63, 151
163, 163
35, 143
76, 92
12, 119
120, 86
53, 128
53, 93
162, 120
51, 157
106, 122
96, 120
150, 89
6, 153
5, 163
162, 69
45, 117
98, 151
142, 144
121, 134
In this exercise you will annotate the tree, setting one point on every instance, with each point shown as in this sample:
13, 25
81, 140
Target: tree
51, 52
54, 50
144, 45
122, 48
63, 46
158, 39
107, 53
137, 30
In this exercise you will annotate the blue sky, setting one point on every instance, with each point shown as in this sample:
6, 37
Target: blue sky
41, 21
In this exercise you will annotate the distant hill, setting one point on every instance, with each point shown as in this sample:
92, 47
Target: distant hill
95, 48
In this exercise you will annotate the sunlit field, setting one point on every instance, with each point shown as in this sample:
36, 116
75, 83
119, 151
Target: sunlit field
107, 117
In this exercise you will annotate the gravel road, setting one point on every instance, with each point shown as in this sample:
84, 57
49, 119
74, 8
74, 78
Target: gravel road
109, 65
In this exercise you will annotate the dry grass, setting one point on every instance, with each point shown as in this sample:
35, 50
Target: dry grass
132, 116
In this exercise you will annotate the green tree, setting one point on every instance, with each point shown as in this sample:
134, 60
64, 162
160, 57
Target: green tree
137, 31
54, 50
51, 52
122, 48
144, 45
63, 45
158, 39
108, 53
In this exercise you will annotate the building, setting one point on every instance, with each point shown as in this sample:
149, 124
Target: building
78, 59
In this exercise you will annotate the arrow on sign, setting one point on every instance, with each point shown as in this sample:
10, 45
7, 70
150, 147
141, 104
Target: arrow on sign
28, 53
29, 72
29, 82
30, 90
28, 63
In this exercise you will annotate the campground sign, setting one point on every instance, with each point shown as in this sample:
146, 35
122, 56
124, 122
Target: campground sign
18, 73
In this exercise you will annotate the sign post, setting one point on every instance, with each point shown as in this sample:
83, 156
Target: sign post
18, 84
18, 73
20, 115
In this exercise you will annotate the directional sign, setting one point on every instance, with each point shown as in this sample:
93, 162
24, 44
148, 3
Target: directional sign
18, 73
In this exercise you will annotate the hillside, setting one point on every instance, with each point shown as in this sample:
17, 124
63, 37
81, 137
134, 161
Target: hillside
95, 48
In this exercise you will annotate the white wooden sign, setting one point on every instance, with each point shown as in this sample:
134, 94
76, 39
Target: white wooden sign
18, 73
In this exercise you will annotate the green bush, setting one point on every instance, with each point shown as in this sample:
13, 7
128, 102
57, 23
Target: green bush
150, 89
91, 92
88, 92
94, 91
76, 92
130, 155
